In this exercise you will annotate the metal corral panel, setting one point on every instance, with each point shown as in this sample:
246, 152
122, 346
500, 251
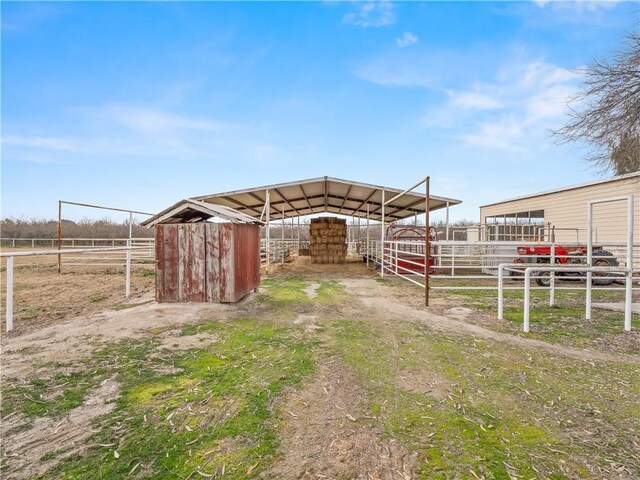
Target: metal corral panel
206, 262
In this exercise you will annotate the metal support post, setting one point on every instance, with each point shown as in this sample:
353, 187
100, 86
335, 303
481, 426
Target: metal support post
367, 250
127, 291
427, 243
587, 313
552, 278
629, 279
268, 236
382, 239
59, 234
9, 299
500, 292
447, 223
527, 298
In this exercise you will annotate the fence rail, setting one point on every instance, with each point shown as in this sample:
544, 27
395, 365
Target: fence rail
71, 242
10, 270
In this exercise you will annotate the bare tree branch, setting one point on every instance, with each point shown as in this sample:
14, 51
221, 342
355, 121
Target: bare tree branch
606, 113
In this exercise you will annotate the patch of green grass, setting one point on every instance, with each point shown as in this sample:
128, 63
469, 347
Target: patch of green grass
215, 414
285, 290
329, 291
98, 297
52, 396
491, 410
149, 273
53, 454
290, 290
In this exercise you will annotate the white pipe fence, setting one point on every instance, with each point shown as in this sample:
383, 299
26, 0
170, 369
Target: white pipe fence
71, 242
277, 251
10, 270
622, 271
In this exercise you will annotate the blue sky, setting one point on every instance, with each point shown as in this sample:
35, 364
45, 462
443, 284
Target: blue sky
136, 105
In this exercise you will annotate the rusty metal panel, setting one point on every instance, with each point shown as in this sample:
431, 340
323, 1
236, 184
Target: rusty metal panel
212, 263
167, 263
159, 264
183, 263
246, 259
196, 255
191, 252
227, 263
206, 262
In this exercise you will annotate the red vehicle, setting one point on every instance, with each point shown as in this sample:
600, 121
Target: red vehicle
565, 255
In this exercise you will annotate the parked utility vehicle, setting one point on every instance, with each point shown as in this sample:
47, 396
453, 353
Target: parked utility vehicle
568, 255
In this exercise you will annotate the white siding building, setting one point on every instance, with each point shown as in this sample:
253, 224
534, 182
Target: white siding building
564, 212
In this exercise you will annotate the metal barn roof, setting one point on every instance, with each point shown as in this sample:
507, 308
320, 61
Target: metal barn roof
326, 194
191, 211
564, 189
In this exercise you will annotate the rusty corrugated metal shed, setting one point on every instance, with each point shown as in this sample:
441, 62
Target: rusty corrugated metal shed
206, 262
326, 194
190, 211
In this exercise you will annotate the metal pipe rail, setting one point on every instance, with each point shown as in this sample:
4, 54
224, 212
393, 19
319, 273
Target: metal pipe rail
274, 251
10, 256
627, 272
52, 241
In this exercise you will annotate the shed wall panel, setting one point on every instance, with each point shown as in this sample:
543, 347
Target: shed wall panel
159, 246
191, 261
227, 274
247, 259
212, 268
167, 276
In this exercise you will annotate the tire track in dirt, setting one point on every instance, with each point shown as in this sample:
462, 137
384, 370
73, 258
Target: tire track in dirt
375, 296
326, 434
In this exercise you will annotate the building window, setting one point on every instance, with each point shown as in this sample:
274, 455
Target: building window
516, 227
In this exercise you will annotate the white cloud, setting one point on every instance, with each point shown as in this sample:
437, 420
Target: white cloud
372, 14
35, 141
504, 134
577, 5
514, 112
406, 40
143, 119
126, 131
473, 101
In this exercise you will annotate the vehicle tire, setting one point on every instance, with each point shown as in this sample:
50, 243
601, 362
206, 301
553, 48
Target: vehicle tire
604, 259
542, 279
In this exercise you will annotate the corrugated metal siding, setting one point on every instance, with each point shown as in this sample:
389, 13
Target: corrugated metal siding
568, 209
206, 262
247, 256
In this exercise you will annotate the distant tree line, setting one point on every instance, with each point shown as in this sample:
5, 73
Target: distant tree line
106, 228
85, 228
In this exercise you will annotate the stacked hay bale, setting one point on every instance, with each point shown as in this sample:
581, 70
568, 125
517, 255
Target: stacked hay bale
328, 237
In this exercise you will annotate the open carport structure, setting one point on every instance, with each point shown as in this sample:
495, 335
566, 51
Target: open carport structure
341, 197
327, 195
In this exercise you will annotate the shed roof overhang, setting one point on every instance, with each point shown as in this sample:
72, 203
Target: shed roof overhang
327, 194
192, 211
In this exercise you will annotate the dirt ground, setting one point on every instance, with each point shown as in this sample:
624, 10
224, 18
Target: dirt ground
43, 297
303, 266
326, 428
